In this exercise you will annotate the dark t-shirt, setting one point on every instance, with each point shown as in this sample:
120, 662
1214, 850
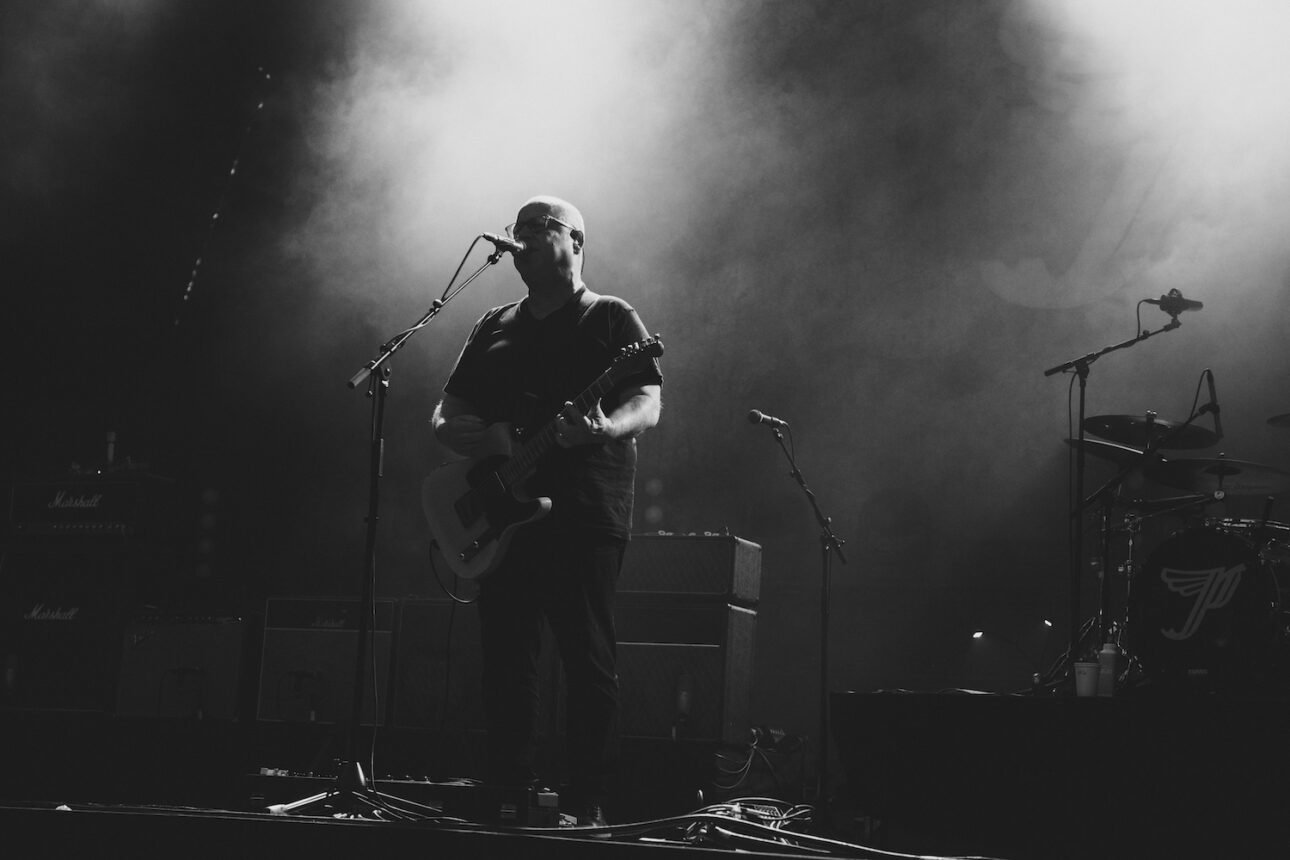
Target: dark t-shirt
520, 369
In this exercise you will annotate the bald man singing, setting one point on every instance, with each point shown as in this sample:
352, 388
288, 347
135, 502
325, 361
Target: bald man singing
523, 365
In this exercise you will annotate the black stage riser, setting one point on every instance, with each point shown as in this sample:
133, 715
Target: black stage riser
1116, 777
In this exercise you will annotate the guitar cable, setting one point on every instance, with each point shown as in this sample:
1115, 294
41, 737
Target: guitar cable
434, 569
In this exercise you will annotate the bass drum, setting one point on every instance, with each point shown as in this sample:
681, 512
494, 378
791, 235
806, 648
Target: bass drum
1203, 615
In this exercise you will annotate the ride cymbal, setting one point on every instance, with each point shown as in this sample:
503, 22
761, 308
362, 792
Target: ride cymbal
1235, 477
1132, 430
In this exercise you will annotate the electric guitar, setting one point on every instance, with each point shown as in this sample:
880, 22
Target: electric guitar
474, 507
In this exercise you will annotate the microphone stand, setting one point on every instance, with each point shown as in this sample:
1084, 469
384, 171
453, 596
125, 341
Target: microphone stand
352, 793
829, 544
1081, 367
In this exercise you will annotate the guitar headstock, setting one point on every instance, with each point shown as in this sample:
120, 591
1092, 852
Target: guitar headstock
650, 347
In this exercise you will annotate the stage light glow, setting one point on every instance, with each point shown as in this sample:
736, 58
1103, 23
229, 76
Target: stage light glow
447, 116
1210, 76
1180, 105
978, 634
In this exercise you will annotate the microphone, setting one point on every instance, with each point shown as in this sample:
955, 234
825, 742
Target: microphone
756, 416
503, 243
1173, 303
1213, 403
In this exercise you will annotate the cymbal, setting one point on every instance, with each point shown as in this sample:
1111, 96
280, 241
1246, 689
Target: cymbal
1236, 477
1121, 455
1132, 430
1282, 420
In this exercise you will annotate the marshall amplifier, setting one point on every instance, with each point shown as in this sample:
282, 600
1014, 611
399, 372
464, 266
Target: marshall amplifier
60, 623
92, 506
307, 665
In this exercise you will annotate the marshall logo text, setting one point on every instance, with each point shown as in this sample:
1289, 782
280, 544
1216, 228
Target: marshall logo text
64, 500
40, 612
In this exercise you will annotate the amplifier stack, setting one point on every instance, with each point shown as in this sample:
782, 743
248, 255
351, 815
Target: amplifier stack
81, 553
84, 555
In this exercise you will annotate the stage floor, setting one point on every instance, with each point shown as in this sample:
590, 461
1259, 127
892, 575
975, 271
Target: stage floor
75, 782
945, 774
94, 830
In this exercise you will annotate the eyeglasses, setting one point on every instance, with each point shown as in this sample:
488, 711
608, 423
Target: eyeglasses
534, 225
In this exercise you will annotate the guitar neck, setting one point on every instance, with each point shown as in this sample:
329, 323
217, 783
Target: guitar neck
523, 461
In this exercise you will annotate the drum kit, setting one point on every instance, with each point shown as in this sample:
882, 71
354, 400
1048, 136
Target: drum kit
1209, 610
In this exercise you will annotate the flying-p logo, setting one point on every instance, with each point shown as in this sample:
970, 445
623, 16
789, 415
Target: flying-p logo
1209, 589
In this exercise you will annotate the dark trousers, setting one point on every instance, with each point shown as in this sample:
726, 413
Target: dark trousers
568, 582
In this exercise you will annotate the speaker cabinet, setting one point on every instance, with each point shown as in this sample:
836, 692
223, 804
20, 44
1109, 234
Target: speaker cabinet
307, 663
685, 670
60, 626
181, 668
686, 621
437, 670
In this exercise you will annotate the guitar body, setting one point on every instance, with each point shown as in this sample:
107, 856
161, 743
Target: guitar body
472, 516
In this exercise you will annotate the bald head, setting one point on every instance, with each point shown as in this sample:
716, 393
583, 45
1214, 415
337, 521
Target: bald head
556, 207
553, 232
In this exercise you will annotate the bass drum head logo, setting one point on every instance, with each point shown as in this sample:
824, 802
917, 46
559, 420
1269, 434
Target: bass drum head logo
1202, 612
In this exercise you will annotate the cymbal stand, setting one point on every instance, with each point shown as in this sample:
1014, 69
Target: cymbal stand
352, 794
1076, 548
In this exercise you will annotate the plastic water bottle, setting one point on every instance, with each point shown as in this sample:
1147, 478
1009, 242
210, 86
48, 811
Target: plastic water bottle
1108, 664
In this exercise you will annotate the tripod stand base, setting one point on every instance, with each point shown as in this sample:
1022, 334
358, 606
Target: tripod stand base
351, 796
336, 803
349, 793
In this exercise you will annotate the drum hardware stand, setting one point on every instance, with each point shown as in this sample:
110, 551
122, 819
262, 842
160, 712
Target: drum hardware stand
352, 794
830, 543
1081, 368
1132, 526
1105, 493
